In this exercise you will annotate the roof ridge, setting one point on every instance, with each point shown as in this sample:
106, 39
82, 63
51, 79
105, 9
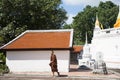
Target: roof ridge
52, 30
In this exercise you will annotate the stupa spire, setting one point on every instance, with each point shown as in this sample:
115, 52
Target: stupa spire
97, 24
86, 39
97, 21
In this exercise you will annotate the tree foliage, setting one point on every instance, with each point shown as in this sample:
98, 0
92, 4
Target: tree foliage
107, 13
84, 21
2, 57
17, 16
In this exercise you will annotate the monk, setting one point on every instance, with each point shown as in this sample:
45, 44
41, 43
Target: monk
53, 63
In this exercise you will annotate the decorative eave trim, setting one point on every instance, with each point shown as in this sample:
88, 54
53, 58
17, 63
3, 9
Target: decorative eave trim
32, 49
13, 40
71, 38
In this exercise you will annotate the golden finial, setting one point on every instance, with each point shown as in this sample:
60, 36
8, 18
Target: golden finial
97, 21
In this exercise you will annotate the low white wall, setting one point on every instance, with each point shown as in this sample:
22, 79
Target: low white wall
113, 65
36, 61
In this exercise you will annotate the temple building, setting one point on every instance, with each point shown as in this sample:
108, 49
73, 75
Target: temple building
30, 51
105, 44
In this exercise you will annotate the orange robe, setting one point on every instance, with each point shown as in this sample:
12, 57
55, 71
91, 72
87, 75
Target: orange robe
53, 63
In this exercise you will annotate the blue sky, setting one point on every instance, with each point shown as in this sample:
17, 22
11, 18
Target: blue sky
74, 6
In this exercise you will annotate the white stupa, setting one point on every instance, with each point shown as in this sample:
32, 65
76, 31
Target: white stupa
86, 57
86, 51
105, 44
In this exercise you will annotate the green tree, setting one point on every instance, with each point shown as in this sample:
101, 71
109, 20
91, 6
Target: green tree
67, 26
107, 13
17, 16
85, 20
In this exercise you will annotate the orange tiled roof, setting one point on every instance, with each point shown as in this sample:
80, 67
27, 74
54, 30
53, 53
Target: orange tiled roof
77, 48
41, 39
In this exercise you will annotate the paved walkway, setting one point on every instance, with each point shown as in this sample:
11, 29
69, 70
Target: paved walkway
74, 74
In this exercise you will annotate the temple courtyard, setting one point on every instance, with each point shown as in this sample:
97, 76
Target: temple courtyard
74, 74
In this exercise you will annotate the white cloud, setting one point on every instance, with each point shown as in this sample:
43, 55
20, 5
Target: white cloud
70, 18
72, 2
81, 2
87, 2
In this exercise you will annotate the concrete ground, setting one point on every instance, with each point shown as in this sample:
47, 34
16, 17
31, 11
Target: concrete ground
74, 74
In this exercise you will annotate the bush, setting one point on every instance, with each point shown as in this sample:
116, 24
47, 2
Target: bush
4, 68
2, 57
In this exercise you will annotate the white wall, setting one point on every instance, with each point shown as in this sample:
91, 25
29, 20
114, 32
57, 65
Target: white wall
107, 44
36, 61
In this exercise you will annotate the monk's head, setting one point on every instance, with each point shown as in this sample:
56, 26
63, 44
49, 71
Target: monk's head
52, 52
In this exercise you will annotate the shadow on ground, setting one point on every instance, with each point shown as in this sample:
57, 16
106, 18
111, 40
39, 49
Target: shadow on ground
80, 69
63, 76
